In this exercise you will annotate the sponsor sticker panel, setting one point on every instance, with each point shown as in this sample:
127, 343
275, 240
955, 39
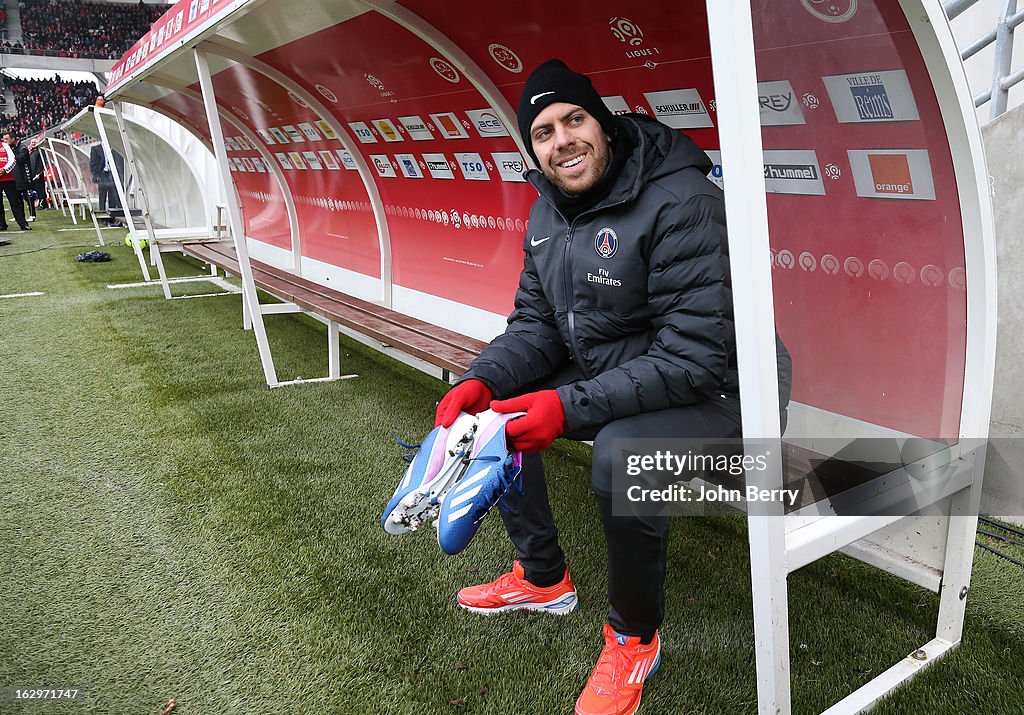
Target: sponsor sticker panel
680, 108
779, 104
362, 132
472, 166
868, 97
449, 125
510, 165
792, 171
892, 173
409, 167
387, 130
383, 165
487, 123
416, 128
438, 166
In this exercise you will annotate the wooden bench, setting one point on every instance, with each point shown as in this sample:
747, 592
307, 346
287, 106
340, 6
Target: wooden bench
445, 349
814, 475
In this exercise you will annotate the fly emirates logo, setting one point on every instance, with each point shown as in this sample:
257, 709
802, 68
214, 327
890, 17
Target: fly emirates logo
604, 278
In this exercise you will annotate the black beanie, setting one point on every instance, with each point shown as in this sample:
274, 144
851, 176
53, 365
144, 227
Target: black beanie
554, 82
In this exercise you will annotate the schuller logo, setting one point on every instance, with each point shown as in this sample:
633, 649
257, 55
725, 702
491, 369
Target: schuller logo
872, 97
680, 108
892, 174
778, 104
792, 171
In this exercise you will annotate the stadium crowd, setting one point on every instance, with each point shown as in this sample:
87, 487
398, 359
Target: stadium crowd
69, 28
43, 103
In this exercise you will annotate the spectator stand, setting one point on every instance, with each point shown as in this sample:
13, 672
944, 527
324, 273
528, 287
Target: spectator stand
174, 201
851, 142
83, 29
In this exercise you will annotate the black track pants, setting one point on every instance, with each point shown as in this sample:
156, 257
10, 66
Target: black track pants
636, 543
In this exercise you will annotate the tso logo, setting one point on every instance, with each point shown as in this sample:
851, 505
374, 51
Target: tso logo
506, 58
445, 70
831, 10
626, 31
606, 243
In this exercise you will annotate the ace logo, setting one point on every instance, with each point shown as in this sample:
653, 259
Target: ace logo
891, 173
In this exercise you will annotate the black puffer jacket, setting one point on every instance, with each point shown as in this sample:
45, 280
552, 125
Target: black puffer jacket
635, 290
22, 171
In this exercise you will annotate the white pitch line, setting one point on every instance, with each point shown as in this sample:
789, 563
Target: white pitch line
217, 281
102, 228
201, 295
20, 295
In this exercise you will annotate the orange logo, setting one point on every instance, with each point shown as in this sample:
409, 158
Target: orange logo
891, 173
387, 130
448, 125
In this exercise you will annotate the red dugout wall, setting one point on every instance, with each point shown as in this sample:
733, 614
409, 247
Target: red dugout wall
866, 232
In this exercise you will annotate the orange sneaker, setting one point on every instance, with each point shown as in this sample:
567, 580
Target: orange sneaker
512, 592
615, 685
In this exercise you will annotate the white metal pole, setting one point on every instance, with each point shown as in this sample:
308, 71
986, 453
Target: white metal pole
1003, 60
251, 301
64, 184
147, 219
362, 168
108, 150
48, 182
739, 131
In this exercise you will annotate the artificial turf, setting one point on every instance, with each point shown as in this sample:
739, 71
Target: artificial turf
170, 528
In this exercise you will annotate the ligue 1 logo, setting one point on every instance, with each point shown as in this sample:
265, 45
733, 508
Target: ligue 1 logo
625, 31
606, 243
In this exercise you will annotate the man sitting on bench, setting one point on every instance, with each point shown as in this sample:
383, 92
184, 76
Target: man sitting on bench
622, 329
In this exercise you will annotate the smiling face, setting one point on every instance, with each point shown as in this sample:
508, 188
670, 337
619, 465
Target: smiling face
571, 147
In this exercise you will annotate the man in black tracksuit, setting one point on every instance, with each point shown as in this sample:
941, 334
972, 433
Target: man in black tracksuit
22, 172
622, 329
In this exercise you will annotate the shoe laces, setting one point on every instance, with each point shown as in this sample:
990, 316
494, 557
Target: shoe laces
614, 659
505, 582
414, 447
506, 479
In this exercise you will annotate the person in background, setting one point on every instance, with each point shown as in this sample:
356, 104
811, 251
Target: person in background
37, 179
104, 178
9, 188
22, 172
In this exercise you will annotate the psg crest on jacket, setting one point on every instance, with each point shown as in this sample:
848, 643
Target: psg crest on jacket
606, 243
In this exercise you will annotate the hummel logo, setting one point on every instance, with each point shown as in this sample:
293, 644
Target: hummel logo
534, 242
534, 98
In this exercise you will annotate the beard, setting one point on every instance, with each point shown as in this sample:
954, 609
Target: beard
598, 158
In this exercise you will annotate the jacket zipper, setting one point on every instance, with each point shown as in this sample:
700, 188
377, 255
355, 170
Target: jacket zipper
574, 350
